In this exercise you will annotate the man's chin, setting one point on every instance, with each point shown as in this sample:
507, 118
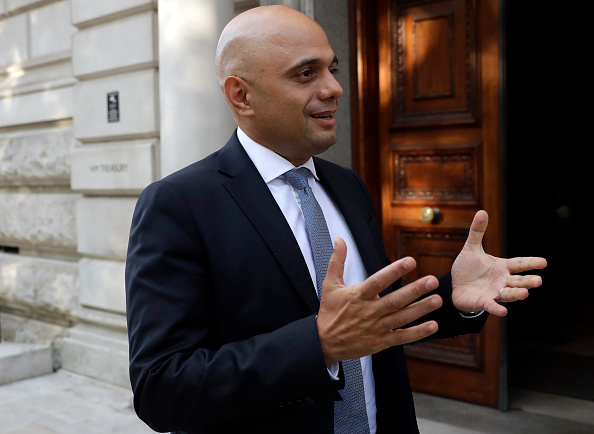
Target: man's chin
323, 142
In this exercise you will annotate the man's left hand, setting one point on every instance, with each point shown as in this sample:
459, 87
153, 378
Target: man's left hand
481, 281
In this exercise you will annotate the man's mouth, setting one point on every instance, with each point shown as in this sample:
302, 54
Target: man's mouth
325, 115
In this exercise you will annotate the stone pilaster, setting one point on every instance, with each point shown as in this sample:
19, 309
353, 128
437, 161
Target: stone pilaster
116, 128
195, 119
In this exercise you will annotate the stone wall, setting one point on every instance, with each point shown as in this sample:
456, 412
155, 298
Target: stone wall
70, 171
38, 239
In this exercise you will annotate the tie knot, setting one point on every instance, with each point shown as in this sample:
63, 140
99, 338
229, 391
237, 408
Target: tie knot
297, 177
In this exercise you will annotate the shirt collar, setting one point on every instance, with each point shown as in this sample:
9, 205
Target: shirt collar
269, 163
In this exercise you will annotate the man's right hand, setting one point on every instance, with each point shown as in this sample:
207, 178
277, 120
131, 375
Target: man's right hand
353, 321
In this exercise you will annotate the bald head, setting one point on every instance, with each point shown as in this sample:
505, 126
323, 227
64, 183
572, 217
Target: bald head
277, 71
248, 39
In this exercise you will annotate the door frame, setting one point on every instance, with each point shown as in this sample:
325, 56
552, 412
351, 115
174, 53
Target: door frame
364, 58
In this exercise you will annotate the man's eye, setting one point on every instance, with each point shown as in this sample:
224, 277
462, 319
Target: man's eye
334, 71
307, 73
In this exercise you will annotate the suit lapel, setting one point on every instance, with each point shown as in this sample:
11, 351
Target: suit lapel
252, 195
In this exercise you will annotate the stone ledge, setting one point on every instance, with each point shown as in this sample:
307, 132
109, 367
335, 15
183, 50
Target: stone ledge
14, 7
25, 64
86, 14
31, 88
20, 361
26, 330
32, 108
97, 353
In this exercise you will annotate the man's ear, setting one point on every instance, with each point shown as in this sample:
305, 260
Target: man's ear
236, 91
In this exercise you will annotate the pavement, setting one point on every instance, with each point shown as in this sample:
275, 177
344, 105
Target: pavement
67, 403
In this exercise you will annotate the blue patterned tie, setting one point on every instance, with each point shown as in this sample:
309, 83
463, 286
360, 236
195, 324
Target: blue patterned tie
350, 414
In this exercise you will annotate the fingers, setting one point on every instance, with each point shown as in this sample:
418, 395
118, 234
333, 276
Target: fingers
517, 288
379, 281
519, 265
409, 314
411, 334
404, 296
517, 281
507, 295
478, 228
354, 321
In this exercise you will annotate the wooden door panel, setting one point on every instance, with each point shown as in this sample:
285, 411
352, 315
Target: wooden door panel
462, 351
436, 173
430, 97
436, 83
433, 49
435, 251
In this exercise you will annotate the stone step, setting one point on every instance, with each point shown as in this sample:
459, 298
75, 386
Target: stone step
20, 361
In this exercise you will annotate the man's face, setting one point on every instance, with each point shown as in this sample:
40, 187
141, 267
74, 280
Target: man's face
294, 95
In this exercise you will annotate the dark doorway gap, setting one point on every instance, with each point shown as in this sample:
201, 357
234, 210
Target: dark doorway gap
548, 113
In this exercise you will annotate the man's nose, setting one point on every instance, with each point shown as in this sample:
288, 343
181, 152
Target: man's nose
330, 88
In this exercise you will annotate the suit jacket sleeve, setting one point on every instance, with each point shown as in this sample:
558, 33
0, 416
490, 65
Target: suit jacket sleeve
182, 375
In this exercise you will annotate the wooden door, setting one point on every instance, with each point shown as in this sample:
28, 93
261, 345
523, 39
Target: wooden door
426, 135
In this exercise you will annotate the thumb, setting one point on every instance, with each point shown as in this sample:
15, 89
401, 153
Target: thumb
334, 275
477, 230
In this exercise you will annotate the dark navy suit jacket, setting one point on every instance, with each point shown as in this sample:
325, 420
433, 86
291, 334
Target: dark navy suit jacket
221, 307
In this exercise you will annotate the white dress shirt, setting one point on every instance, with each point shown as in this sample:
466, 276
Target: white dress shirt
271, 167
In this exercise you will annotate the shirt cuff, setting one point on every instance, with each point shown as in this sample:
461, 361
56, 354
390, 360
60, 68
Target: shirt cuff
471, 314
333, 369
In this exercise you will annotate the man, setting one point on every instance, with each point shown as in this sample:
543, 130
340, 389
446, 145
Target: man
225, 267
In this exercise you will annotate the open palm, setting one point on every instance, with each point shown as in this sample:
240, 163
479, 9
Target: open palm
480, 281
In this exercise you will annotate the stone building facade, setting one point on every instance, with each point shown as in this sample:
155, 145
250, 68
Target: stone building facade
97, 100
